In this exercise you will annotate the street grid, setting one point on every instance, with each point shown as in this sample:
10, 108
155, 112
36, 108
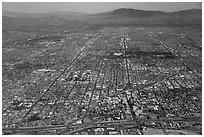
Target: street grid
122, 81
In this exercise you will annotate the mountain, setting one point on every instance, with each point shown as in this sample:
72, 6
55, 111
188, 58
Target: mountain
69, 21
17, 26
123, 12
191, 12
125, 16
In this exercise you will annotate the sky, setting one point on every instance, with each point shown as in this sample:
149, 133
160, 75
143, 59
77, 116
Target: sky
95, 7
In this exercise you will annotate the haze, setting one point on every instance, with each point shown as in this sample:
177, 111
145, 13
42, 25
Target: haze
95, 7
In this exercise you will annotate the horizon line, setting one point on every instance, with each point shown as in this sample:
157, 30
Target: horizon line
94, 12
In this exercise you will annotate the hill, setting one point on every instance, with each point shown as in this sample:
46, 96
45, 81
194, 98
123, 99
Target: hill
125, 16
58, 22
123, 12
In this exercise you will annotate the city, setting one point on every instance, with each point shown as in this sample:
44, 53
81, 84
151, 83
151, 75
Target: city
113, 81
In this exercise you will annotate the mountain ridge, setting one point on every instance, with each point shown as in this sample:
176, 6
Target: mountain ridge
119, 11
146, 13
118, 17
